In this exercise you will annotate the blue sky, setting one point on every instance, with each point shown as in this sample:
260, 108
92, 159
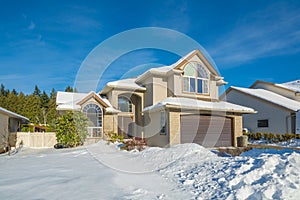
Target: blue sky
45, 42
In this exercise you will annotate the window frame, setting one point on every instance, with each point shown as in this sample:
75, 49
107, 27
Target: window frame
186, 85
130, 110
263, 123
99, 113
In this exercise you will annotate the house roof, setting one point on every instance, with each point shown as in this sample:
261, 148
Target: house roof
12, 114
271, 97
289, 86
293, 85
97, 97
177, 66
187, 103
71, 101
123, 84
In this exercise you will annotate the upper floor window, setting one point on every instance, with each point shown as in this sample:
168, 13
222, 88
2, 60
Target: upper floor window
124, 104
195, 79
94, 114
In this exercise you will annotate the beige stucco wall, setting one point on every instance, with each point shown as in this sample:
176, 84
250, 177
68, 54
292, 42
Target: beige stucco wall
279, 120
152, 130
174, 127
110, 123
160, 89
3, 130
237, 127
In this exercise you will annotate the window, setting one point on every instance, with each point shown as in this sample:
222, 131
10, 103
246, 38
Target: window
162, 123
195, 79
263, 123
124, 104
94, 114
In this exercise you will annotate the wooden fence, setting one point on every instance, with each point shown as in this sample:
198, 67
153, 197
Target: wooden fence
36, 139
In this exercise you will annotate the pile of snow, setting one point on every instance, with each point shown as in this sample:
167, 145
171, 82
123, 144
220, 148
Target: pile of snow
186, 171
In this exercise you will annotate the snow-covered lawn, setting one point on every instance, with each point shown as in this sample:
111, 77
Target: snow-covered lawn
186, 171
291, 143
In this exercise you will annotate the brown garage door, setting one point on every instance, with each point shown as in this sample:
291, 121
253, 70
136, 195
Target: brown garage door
206, 130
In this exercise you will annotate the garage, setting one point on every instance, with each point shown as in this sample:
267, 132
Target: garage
206, 130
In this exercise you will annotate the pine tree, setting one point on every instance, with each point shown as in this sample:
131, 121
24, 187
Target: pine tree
37, 91
44, 99
69, 89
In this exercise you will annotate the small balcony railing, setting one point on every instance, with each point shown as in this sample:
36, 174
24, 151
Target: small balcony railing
94, 132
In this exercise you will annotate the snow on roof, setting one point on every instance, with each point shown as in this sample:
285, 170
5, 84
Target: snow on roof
70, 100
293, 85
187, 103
69, 97
163, 70
126, 83
271, 97
12, 114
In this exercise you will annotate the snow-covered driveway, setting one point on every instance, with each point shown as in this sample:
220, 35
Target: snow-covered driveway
186, 171
78, 174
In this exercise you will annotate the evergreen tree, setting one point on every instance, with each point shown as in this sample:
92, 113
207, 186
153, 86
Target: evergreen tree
69, 89
33, 109
11, 102
44, 99
37, 91
52, 113
14, 92
21, 109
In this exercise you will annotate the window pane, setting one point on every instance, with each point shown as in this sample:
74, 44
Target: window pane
263, 123
190, 70
192, 85
205, 86
124, 104
199, 86
186, 84
202, 73
94, 114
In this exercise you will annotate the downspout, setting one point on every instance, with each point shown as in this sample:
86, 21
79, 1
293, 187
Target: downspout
287, 123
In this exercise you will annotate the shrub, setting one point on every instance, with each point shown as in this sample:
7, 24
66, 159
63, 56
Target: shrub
297, 136
134, 143
71, 129
258, 136
115, 137
270, 137
266, 136
279, 137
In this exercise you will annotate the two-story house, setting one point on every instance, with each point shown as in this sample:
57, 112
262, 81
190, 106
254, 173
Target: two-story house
166, 106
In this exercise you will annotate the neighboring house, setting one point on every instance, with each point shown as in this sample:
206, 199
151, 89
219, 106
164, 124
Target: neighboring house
277, 106
10, 123
167, 105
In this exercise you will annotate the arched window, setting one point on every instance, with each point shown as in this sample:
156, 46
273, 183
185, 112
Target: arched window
94, 113
195, 79
124, 104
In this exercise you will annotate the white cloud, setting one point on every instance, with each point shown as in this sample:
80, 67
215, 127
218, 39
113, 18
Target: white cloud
31, 26
270, 32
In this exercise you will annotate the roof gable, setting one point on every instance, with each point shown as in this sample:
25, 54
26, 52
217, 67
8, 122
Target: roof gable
96, 97
182, 62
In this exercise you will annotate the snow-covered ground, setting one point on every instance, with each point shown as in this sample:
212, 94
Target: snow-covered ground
291, 143
186, 171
